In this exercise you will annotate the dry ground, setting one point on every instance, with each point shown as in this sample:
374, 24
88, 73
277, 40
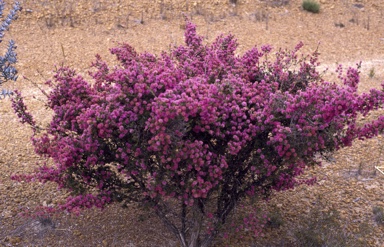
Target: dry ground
50, 33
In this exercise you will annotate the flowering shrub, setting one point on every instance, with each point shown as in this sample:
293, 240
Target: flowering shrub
7, 71
193, 132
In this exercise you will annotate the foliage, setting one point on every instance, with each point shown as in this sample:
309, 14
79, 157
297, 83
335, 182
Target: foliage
378, 213
7, 70
311, 6
372, 72
322, 227
275, 219
193, 132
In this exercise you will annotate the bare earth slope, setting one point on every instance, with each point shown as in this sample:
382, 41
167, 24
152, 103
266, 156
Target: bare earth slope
50, 33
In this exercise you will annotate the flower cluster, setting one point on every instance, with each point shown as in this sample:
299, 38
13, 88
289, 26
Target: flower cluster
200, 125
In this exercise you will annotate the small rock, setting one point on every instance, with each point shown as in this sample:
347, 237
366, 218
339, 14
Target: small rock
6, 214
321, 182
341, 25
358, 5
76, 233
105, 242
14, 240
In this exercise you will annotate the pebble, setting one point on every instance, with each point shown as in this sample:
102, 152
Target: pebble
13, 240
105, 242
77, 233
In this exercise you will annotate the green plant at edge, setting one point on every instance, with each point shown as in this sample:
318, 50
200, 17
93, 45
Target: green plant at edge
311, 6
